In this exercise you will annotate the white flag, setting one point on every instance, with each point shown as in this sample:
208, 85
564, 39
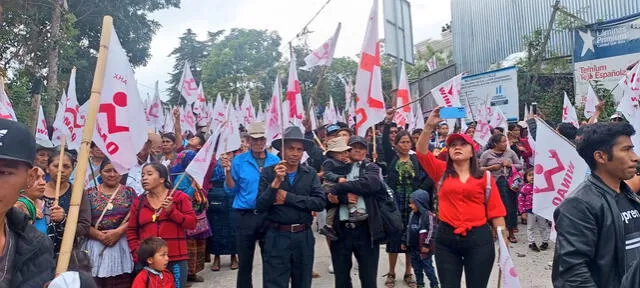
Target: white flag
432, 63
155, 115
497, 118
527, 113
403, 115
274, 114
200, 163
71, 120
187, 120
42, 134
323, 55
295, 113
418, 119
201, 102
483, 128
121, 129
447, 94
330, 116
229, 135
510, 278
349, 102
219, 109
312, 116
591, 102
370, 109
248, 112
569, 113
6, 109
558, 170
188, 86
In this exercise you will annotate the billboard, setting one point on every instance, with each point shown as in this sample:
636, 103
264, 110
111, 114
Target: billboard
603, 51
398, 34
498, 86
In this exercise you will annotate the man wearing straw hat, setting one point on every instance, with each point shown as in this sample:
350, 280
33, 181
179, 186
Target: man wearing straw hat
26, 255
289, 192
242, 179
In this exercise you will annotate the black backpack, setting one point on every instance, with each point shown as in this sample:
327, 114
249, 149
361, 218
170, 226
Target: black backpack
389, 213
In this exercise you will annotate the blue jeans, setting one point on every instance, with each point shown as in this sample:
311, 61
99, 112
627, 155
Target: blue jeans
425, 266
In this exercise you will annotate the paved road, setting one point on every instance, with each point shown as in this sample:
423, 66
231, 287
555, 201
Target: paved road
533, 268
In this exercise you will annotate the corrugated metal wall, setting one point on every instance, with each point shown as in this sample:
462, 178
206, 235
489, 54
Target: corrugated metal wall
486, 31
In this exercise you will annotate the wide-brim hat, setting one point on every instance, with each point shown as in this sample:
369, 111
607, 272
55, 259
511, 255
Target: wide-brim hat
338, 144
292, 133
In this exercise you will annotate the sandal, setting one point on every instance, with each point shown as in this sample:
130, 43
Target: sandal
234, 265
391, 280
408, 279
215, 267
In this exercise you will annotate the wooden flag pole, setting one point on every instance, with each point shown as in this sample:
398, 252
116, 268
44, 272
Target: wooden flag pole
83, 157
374, 153
63, 140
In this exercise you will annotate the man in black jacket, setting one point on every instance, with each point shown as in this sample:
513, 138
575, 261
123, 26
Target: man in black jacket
599, 225
289, 192
26, 255
360, 238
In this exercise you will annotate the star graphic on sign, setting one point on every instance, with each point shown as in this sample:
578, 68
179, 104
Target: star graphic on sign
587, 42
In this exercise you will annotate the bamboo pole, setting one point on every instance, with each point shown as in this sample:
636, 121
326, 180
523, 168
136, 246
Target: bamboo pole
83, 157
63, 140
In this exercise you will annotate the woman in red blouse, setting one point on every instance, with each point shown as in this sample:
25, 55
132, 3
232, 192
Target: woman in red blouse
463, 238
157, 213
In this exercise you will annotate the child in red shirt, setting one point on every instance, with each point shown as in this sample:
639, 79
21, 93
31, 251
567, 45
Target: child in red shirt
154, 254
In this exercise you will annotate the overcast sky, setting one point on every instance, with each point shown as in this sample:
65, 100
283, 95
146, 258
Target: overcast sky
285, 16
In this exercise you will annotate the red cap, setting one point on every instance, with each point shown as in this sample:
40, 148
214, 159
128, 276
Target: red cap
463, 137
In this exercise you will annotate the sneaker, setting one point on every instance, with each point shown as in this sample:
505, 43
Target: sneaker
331, 269
534, 247
357, 216
329, 232
544, 246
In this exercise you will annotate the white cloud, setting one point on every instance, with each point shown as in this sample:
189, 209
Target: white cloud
285, 16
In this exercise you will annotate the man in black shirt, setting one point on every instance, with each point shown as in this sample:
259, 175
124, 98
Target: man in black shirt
599, 225
289, 192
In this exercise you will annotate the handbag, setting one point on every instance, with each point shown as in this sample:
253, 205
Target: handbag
202, 225
389, 213
515, 180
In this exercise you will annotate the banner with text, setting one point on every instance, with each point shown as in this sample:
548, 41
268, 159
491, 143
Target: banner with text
603, 52
496, 88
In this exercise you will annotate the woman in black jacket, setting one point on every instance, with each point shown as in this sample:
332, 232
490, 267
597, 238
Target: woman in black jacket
405, 175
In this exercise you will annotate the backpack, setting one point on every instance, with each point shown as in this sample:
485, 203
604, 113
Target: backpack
389, 213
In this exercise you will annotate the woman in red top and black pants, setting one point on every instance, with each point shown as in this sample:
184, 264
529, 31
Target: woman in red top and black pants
158, 214
463, 237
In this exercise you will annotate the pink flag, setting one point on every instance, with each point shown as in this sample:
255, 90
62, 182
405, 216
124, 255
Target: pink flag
403, 115
370, 108
6, 109
432, 63
120, 130
274, 114
558, 170
201, 102
187, 120
323, 55
510, 277
248, 112
188, 86
569, 113
229, 135
42, 134
200, 163
155, 115
294, 96
591, 102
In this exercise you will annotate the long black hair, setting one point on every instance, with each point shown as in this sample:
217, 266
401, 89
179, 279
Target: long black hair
402, 134
163, 172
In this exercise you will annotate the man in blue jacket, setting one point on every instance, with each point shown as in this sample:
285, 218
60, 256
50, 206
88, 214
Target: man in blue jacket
242, 179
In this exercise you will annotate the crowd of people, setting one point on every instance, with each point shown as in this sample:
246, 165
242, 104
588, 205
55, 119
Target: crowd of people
426, 193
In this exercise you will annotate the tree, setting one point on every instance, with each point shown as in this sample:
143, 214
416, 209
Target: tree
193, 51
244, 60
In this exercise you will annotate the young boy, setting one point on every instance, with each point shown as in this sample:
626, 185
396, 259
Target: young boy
153, 254
336, 169
419, 238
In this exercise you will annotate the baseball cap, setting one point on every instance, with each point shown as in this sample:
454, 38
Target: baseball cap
256, 130
616, 115
459, 136
357, 139
16, 142
332, 129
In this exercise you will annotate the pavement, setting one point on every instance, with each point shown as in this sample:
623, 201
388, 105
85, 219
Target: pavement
534, 268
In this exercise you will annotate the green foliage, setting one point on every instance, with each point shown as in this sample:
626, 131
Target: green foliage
420, 67
244, 60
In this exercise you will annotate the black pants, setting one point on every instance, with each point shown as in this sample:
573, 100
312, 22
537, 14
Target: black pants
356, 241
248, 231
510, 201
288, 256
474, 252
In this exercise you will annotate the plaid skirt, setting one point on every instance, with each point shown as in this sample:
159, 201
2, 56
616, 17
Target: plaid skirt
197, 249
